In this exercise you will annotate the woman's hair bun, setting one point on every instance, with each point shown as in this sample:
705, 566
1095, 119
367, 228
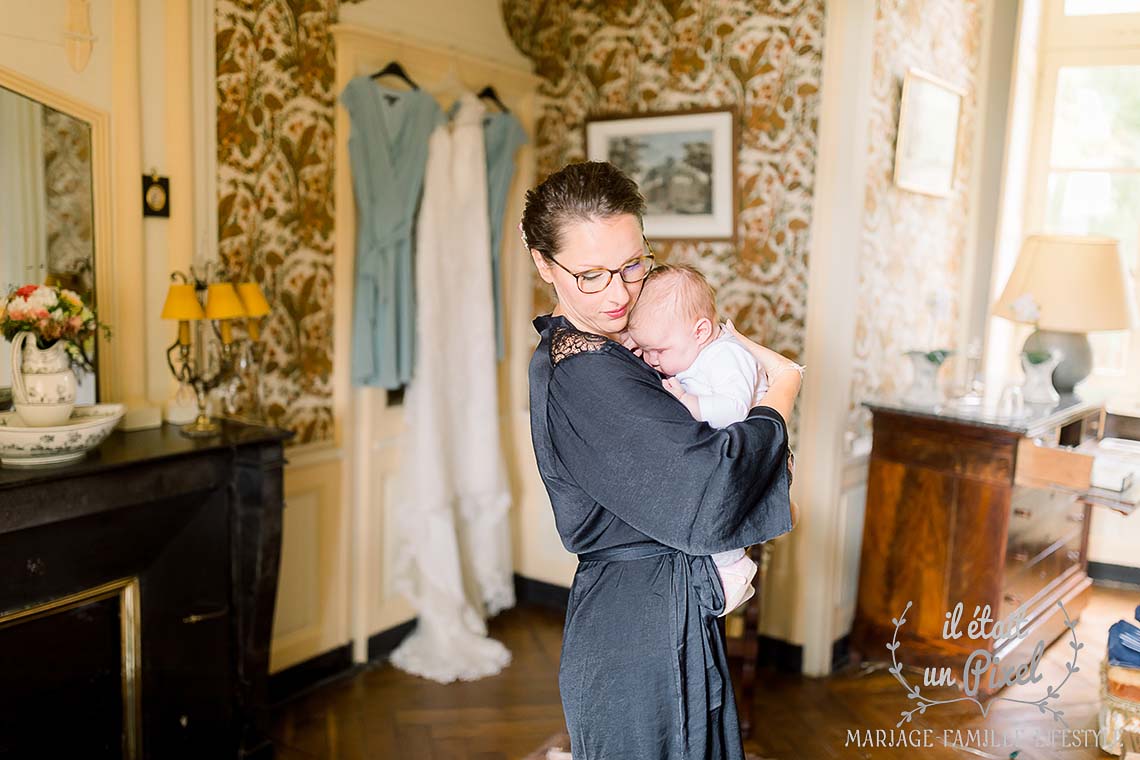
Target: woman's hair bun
576, 192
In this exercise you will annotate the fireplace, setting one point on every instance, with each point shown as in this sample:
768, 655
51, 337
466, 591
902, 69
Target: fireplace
87, 687
137, 605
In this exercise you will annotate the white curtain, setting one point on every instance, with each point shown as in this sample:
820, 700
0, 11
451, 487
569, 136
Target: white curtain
23, 230
453, 496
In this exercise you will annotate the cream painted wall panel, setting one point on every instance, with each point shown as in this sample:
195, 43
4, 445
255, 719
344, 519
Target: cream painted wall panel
31, 43
852, 509
298, 603
474, 26
312, 615
154, 77
386, 608
538, 551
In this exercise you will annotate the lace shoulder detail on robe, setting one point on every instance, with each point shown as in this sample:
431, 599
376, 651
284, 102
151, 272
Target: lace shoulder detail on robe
567, 342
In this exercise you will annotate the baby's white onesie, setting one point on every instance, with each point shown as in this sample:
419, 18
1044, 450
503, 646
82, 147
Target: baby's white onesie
725, 379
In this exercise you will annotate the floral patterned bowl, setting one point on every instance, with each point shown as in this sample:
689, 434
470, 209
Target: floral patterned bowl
24, 446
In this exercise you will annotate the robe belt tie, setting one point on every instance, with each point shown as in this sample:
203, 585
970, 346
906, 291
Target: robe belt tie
626, 552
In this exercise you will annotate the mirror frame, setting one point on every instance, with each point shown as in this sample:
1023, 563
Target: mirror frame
100, 122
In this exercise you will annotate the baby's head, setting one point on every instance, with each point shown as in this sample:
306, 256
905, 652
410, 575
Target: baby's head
675, 317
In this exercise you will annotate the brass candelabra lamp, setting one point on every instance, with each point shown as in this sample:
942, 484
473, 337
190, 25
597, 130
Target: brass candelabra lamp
222, 303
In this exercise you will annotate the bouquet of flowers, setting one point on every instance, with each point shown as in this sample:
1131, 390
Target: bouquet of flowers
51, 313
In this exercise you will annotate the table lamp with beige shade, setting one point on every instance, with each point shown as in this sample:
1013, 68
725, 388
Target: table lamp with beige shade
223, 304
1067, 287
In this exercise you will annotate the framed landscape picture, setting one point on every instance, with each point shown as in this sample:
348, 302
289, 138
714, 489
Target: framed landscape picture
683, 162
927, 145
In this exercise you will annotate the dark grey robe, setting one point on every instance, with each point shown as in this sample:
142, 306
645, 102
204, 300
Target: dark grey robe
643, 493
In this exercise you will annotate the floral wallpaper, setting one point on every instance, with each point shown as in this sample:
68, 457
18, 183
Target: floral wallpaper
275, 79
69, 214
763, 58
912, 245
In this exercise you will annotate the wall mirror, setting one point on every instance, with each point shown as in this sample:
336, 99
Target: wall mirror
49, 229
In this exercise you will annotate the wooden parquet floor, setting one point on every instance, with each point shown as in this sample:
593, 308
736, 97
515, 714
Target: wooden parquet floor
382, 713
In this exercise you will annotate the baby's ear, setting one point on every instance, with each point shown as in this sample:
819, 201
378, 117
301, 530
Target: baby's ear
702, 329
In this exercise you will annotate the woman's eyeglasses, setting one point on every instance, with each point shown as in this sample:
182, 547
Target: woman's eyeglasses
597, 280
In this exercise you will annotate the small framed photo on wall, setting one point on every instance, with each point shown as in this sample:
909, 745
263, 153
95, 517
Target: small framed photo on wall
927, 145
683, 162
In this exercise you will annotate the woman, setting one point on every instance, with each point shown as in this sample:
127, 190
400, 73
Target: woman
641, 491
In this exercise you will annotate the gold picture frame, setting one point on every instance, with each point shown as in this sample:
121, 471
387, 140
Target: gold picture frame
926, 149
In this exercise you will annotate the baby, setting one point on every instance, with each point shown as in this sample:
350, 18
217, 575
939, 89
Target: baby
674, 325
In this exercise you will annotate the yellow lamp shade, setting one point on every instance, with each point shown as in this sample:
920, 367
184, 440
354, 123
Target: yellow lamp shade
222, 302
182, 303
253, 299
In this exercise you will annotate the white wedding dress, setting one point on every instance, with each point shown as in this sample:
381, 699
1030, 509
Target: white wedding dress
453, 496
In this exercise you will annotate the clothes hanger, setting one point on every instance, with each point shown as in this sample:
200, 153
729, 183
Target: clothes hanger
395, 69
489, 93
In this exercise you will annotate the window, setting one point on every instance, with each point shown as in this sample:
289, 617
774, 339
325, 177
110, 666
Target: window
1100, 7
1085, 166
1094, 173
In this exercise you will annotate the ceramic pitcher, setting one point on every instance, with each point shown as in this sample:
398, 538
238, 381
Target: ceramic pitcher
43, 384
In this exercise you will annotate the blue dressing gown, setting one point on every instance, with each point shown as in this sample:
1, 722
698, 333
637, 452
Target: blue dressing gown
388, 151
503, 135
643, 493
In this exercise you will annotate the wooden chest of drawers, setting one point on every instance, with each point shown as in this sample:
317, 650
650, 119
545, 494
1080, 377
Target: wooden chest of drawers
978, 513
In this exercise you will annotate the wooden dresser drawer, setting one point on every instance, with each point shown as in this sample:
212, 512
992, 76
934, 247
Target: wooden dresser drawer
1048, 466
1038, 519
1023, 584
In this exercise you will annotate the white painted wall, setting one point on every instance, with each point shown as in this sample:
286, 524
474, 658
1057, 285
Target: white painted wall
473, 26
31, 43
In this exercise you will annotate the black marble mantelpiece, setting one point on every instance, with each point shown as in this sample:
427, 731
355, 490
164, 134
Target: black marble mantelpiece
198, 523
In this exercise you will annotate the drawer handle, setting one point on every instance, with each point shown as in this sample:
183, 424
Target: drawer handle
1019, 556
1012, 598
1073, 555
1022, 512
191, 619
1077, 517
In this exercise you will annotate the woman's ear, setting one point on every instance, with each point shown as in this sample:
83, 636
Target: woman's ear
542, 265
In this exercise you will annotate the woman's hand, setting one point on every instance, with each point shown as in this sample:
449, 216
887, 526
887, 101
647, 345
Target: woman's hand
781, 392
766, 357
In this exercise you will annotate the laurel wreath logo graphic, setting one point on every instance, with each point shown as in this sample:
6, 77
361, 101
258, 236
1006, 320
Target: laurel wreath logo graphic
922, 701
